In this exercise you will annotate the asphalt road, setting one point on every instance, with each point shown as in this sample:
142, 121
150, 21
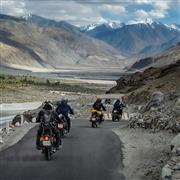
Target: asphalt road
87, 154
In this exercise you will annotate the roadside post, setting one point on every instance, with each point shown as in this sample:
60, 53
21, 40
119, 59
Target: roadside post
7, 127
22, 119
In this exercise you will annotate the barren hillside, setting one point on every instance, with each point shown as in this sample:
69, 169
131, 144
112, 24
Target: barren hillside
26, 45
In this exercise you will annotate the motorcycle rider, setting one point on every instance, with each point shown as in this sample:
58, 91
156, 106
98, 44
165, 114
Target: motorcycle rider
65, 109
119, 105
99, 107
54, 118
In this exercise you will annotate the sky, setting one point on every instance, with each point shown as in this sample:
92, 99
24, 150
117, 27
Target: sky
83, 12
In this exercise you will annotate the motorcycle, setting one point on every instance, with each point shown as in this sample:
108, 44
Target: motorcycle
47, 141
95, 118
63, 127
116, 115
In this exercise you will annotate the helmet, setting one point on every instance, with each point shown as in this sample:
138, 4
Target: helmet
64, 99
47, 106
98, 100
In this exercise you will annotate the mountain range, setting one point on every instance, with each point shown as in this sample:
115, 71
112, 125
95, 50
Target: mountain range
169, 56
36, 42
139, 39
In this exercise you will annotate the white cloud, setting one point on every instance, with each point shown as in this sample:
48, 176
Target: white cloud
81, 12
159, 10
153, 14
13, 7
113, 9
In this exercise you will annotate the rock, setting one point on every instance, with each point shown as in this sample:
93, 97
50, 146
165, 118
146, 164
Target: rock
1, 140
166, 173
11, 126
16, 119
178, 102
175, 143
28, 115
156, 100
176, 108
25, 122
17, 124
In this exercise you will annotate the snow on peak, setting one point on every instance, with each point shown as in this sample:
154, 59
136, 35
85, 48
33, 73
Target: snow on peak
175, 26
146, 21
114, 25
109, 24
89, 27
27, 16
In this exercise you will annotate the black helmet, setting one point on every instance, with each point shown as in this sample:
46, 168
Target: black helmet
47, 106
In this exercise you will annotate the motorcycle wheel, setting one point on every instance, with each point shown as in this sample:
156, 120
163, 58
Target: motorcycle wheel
62, 133
47, 154
94, 124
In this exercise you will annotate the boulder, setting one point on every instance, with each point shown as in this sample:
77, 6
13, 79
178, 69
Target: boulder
166, 173
157, 99
16, 119
28, 116
17, 124
176, 108
175, 143
1, 140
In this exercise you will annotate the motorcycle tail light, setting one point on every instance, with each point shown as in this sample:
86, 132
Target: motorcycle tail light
46, 138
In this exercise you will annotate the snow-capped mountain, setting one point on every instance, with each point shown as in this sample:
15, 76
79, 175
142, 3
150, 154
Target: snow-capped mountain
27, 16
175, 26
146, 21
108, 25
135, 36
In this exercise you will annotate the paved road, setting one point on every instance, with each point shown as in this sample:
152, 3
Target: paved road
87, 154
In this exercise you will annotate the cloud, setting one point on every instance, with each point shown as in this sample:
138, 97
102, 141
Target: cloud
113, 9
153, 14
80, 12
75, 12
159, 10
13, 7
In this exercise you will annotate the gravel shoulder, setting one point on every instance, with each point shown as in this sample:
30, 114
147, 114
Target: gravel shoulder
145, 153
15, 135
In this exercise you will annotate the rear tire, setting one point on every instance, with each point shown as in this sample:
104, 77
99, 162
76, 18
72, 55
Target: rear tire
47, 154
62, 133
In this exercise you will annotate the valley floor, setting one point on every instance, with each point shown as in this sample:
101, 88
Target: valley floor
16, 89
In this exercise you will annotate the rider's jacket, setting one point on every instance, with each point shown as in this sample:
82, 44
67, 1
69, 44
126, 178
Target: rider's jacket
64, 109
119, 105
99, 106
52, 116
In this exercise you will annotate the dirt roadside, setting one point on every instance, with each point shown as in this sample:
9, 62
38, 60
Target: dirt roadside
145, 153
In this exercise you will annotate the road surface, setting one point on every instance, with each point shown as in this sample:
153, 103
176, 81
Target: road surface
87, 154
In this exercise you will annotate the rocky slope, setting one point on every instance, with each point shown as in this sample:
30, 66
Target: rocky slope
25, 45
169, 56
163, 76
